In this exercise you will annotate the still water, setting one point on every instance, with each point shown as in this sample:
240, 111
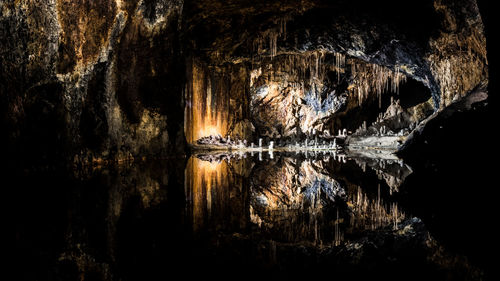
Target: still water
230, 215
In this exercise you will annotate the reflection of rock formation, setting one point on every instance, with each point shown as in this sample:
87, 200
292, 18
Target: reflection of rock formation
215, 193
367, 213
300, 201
292, 200
273, 212
102, 196
386, 165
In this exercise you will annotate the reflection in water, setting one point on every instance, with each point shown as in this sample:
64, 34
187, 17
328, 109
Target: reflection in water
144, 220
373, 213
215, 194
203, 177
291, 198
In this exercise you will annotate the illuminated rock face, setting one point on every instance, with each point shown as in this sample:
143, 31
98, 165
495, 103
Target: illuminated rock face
85, 28
297, 95
207, 106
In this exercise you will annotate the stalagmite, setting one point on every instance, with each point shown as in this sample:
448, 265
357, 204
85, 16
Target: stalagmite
260, 143
271, 145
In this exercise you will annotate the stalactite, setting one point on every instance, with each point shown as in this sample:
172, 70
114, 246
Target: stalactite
273, 43
282, 23
272, 35
374, 78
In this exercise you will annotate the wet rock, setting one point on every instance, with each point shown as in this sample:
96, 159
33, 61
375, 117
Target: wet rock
108, 113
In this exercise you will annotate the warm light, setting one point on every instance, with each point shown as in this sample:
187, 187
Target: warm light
205, 183
207, 111
208, 131
207, 166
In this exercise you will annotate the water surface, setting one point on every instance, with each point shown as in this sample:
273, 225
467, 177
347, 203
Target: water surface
281, 214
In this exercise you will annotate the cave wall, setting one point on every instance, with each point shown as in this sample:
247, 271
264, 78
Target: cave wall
95, 81
457, 56
98, 81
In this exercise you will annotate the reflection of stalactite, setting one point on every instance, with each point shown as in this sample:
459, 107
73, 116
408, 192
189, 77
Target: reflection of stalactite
205, 185
339, 235
373, 214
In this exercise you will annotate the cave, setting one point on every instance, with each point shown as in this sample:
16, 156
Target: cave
144, 140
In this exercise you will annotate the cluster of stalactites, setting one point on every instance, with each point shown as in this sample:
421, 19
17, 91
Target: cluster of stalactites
271, 36
310, 68
305, 66
369, 78
339, 64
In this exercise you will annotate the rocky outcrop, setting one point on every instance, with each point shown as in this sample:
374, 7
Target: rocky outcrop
86, 79
457, 56
304, 95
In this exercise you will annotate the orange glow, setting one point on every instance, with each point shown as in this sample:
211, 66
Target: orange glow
206, 185
206, 105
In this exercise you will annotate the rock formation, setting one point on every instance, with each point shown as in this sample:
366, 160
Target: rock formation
99, 81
